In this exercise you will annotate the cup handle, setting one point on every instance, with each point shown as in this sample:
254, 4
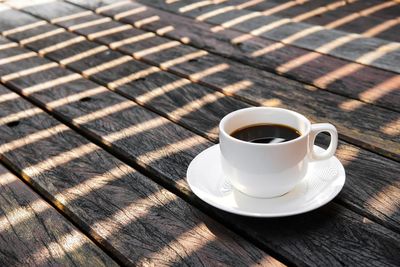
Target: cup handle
317, 129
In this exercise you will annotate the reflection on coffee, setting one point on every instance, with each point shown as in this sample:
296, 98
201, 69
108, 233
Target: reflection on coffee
266, 133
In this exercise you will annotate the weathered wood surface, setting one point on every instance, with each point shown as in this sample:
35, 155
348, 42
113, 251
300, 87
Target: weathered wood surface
281, 92
333, 15
207, 111
34, 233
304, 35
138, 221
123, 129
326, 72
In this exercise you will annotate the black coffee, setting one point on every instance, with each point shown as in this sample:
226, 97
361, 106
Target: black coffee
266, 133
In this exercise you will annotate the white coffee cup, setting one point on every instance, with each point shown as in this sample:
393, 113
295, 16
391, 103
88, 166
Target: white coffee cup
270, 170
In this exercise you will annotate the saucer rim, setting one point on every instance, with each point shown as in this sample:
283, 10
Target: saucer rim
199, 193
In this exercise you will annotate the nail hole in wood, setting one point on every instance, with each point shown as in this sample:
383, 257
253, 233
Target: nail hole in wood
140, 79
12, 124
86, 99
193, 60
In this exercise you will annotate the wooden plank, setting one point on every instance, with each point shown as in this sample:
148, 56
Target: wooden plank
203, 119
292, 95
330, 14
388, 12
332, 74
290, 238
354, 48
34, 233
137, 220
346, 78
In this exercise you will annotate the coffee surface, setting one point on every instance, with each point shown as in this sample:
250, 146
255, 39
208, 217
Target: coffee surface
266, 133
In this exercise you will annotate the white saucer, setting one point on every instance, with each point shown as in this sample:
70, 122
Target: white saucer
322, 183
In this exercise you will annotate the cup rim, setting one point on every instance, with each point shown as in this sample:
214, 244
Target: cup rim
236, 112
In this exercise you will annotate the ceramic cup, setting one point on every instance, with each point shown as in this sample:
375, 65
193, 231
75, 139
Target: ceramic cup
270, 170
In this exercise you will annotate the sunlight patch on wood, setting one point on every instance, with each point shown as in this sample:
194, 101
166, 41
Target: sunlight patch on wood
164, 30
166, 151
384, 26
140, 23
207, 72
193, 6
184, 58
156, 49
76, 97
98, 34
68, 243
51, 83
8, 97
370, 57
20, 115
6, 46
130, 12
104, 112
297, 62
347, 153
301, 34
318, 11
16, 58
41, 36
24, 28
25, 72
106, 65
21, 213
191, 240
341, 21
83, 55
381, 89
248, 4
268, 49
325, 48
236, 87
89, 24
270, 26
71, 17
279, 8
61, 45
53, 162
386, 201
134, 76
94, 183
337, 74
135, 129
214, 13
139, 208
132, 40
33, 137
238, 20
392, 128
273, 102
351, 105
159, 91
194, 105
376, 8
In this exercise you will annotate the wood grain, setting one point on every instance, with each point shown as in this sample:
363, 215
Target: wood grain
316, 104
325, 72
332, 14
34, 233
328, 232
138, 221
199, 118
312, 37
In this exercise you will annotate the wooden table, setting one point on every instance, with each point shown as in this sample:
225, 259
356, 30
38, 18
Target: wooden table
103, 104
